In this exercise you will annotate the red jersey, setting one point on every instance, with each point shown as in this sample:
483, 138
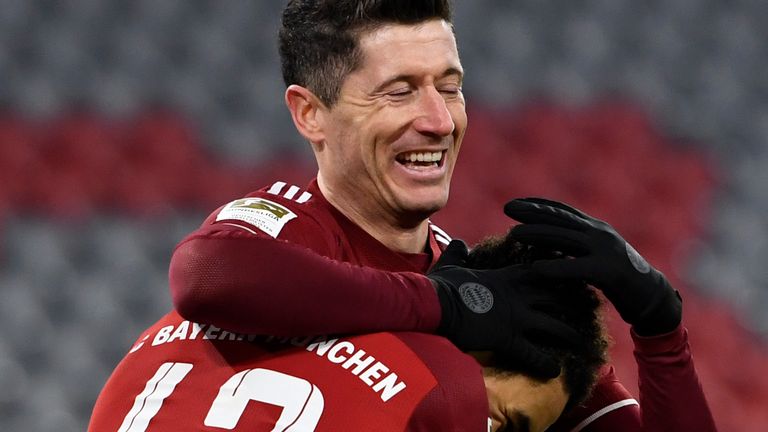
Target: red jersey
284, 261
184, 376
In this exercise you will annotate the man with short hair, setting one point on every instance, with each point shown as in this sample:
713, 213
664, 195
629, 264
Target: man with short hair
375, 87
185, 376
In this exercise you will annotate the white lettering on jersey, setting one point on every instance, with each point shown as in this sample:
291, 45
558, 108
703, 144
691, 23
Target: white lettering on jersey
268, 216
187, 330
371, 372
139, 345
389, 387
212, 332
162, 335
181, 332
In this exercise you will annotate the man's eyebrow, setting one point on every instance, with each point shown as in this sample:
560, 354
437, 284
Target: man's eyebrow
451, 71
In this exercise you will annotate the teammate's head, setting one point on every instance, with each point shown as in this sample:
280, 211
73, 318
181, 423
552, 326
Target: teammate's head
375, 87
577, 305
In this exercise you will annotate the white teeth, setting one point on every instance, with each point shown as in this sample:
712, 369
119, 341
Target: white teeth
422, 157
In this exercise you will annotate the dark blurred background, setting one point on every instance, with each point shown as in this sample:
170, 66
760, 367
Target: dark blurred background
124, 123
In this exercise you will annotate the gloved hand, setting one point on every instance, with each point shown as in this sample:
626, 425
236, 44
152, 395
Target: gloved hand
601, 257
488, 310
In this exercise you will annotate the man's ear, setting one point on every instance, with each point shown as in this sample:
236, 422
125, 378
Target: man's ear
305, 110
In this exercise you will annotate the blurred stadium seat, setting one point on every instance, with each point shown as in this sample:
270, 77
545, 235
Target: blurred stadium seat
123, 123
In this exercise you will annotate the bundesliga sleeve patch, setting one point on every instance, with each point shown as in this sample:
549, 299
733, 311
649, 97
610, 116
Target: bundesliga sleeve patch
263, 214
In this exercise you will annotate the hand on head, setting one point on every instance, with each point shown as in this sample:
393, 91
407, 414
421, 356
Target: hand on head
597, 254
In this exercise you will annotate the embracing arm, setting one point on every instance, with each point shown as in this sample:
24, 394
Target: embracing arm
247, 283
254, 284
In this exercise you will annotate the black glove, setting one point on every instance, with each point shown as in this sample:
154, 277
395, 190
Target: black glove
601, 257
489, 310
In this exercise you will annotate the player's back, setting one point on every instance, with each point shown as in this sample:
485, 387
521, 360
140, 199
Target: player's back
184, 376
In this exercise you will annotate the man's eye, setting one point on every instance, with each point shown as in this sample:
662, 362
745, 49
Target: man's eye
450, 90
400, 92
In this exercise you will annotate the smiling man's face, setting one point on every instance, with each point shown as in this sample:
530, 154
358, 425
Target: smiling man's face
392, 138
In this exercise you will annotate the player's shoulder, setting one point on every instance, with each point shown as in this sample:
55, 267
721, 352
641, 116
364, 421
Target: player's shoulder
441, 356
272, 209
459, 400
609, 403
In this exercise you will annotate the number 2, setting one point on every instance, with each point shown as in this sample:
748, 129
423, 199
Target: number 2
301, 400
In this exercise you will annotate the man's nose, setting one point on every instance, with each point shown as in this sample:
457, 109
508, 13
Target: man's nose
434, 118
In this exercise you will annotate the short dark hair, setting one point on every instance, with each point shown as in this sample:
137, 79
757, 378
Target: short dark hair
575, 304
319, 38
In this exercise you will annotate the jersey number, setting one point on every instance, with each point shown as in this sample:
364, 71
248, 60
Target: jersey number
302, 401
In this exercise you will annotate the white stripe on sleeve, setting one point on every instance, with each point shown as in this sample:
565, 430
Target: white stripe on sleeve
291, 192
304, 197
603, 411
276, 188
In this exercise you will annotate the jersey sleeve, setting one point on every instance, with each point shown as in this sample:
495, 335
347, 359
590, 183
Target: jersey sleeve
260, 266
671, 397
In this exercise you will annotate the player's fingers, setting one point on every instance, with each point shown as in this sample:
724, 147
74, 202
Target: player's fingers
543, 327
565, 240
557, 204
564, 269
531, 212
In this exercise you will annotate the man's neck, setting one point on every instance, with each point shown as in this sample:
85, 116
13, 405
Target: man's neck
383, 226
408, 240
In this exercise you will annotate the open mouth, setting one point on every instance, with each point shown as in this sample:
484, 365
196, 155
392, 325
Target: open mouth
421, 159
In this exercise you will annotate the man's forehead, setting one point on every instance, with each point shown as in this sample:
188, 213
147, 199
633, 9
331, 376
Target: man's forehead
431, 31
395, 46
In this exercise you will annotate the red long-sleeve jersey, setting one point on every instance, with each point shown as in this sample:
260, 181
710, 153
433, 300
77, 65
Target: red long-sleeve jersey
186, 376
284, 261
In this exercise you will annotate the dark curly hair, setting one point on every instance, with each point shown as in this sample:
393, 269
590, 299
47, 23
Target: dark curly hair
576, 304
318, 39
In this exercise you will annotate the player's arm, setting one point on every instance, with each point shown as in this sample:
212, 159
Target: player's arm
256, 284
671, 397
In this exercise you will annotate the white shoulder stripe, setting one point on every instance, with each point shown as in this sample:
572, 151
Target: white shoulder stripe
439, 231
276, 188
304, 197
291, 192
603, 411
442, 239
